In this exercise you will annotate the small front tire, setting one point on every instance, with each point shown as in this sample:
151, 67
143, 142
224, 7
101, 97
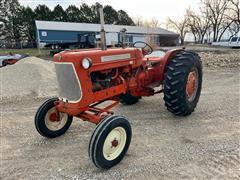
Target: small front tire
110, 142
49, 122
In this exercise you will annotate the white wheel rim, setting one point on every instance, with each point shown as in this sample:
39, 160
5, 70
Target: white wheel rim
59, 123
114, 143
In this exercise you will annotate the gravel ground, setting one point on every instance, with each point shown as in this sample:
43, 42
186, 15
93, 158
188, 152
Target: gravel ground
30, 76
216, 60
216, 57
204, 145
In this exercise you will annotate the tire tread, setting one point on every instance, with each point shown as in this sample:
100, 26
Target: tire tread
174, 84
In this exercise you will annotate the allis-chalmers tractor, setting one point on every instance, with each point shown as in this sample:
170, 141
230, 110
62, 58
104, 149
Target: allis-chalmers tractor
89, 78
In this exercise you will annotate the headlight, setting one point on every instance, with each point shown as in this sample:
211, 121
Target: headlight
86, 63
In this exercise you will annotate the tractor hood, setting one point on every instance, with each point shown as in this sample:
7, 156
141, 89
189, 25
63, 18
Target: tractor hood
73, 69
97, 56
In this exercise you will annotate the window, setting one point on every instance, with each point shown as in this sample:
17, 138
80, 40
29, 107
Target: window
234, 39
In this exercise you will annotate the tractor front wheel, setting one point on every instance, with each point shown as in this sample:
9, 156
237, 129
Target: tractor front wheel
49, 122
183, 82
110, 141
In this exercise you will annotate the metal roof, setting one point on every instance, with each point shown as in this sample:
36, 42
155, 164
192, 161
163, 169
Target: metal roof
69, 26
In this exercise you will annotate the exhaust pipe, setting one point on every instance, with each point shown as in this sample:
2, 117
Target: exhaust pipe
102, 32
123, 37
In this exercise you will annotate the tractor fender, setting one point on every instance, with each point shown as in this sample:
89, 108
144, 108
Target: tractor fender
167, 57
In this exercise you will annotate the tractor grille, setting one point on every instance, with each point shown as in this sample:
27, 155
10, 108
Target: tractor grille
69, 87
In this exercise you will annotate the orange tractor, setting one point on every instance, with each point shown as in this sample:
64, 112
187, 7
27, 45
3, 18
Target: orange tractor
89, 78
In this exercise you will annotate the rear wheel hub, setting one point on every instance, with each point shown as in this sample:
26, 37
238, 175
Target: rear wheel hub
192, 85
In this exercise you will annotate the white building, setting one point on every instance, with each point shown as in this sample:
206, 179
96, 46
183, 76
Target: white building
52, 32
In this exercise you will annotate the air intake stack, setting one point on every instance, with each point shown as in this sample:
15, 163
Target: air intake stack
102, 32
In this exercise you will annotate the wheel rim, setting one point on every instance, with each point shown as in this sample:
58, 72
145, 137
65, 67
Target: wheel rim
114, 143
55, 120
192, 85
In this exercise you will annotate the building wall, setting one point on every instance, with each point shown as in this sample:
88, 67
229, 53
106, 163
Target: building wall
52, 36
60, 36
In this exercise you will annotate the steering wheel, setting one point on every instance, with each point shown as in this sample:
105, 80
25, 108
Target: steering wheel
146, 48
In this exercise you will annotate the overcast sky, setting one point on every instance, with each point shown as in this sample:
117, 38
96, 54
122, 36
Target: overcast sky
158, 9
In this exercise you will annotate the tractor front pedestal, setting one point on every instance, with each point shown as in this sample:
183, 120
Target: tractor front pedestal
95, 114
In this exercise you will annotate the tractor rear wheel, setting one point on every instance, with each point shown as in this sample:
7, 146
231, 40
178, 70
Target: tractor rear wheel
49, 122
183, 82
110, 141
128, 99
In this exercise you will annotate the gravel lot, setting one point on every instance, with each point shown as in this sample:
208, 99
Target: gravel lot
216, 57
30, 77
204, 145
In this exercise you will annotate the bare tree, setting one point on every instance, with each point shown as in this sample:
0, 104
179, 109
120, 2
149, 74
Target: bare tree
138, 21
235, 8
180, 27
198, 24
234, 29
227, 24
153, 23
234, 16
216, 17
231, 20
217, 10
193, 24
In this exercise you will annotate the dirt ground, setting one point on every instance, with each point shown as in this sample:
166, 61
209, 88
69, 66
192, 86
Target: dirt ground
204, 145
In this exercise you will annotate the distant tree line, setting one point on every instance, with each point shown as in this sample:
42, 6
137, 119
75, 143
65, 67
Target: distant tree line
215, 18
17, 23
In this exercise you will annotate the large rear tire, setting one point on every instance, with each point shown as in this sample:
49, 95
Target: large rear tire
183, 83
49, 122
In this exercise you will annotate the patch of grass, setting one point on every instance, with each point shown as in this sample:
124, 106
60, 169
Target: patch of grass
44, 53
